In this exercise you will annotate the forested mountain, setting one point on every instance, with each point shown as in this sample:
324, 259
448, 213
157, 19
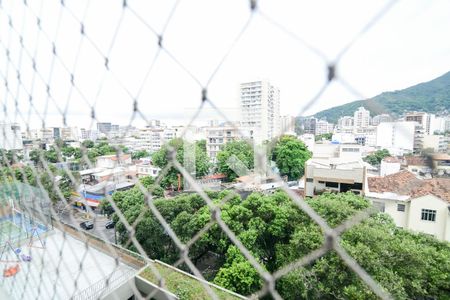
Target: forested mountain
432, 96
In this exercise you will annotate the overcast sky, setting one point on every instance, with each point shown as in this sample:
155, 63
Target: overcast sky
410, 44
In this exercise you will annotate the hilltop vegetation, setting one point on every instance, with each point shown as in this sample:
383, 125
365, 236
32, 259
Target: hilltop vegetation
432, 96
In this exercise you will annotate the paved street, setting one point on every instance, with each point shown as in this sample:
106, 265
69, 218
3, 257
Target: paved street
76, 216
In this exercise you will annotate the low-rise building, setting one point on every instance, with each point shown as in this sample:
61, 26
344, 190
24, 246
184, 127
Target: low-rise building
335, 175
418, 165
217, 137
437, 143
389, 165
146, 168
323, 127
309, 140
421, 205
113, 161
441, 164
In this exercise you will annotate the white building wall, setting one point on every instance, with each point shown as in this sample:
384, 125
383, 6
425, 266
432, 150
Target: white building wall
287, 124
361, 118
260, 109
309, 140
438, 228
398, 135
10, 137
404, 135
400, 217
385, 135
387, 168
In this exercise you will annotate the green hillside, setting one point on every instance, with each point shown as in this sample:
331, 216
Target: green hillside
432, 96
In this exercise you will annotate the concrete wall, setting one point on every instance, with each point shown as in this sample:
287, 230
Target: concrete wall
355, 175
440, 227
400, 217
387, 168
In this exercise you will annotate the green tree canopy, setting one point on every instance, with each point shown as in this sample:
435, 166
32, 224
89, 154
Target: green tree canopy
88, 144
140, 154
290, 155
242, 150
325, 136
277, 232
160, 159
376, 157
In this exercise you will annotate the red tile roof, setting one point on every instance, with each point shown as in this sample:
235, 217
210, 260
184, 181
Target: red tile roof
417, 161
114, 157
405, 183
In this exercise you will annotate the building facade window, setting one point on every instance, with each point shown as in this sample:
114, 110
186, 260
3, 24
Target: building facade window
309, 180
332, 184
400, 207
428, 215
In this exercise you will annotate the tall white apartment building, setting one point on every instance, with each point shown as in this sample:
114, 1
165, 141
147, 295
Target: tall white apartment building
426, 120
10, 137
396, 135
361, 118
260, 108
287, 124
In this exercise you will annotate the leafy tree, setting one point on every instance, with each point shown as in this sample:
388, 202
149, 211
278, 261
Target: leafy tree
103, 148
160, 159
325, 136
140, 154
88, 144
60, 143
9, 157
277, 232
290, 155
35, 156
376, 157
238, 274
242, 150
51, 156
68, 151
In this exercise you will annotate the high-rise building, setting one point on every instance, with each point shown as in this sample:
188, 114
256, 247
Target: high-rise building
345, 121
104, 127
309, 125
287, 124
426, 120
381, 118
323, 127
260, 108
10, 137
361, 118
398, 135
447, 124
69, 133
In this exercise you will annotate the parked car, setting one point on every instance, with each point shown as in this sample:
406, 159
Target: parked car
87, 225
110, 224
